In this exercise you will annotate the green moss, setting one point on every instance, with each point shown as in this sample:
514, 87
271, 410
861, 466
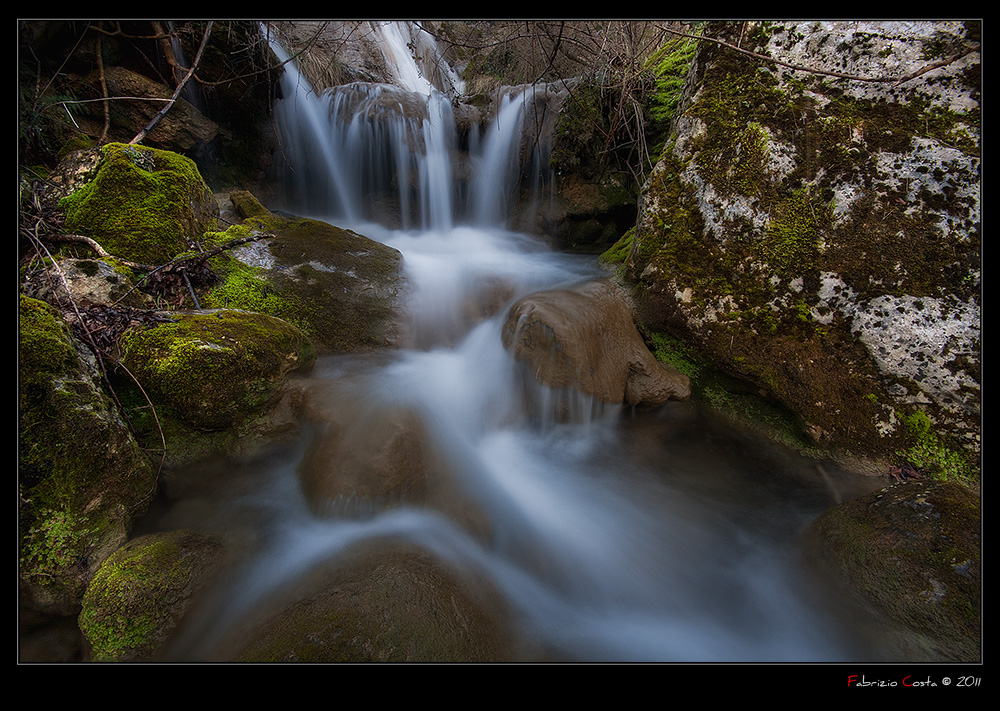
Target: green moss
619, 251
930, 454
791, 243
670, 66
144, 205
219, 367
133, 603
81, 476
677, 354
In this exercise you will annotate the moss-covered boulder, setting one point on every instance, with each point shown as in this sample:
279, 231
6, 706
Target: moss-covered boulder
82, 478
398, 604
910, 556
341, 288
214, 369
143, 205
817, 236
140, 594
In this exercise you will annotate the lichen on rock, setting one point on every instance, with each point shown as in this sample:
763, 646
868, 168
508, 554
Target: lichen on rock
792, 207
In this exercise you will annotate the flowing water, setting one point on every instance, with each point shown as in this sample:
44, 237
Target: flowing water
612, 535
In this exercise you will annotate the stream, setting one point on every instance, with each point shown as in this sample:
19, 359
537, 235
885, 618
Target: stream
613, 535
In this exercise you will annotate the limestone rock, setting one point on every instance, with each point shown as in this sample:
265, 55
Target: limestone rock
820, 237
584, 337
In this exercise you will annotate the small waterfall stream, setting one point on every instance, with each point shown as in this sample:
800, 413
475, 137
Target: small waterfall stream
613, 536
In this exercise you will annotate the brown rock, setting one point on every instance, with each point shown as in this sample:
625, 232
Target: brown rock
388, 605
584, 337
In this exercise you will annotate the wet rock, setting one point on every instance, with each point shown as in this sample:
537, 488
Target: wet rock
366, 458
366, 462
347, 290
585, 338
395, 604
910, 555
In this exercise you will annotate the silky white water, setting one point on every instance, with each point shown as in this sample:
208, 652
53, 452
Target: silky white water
613, 536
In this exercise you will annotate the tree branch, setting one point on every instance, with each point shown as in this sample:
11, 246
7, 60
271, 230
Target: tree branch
839, 75
177, 92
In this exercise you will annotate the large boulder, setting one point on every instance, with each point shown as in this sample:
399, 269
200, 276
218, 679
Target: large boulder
909, 555
585, 338
82, 478
819, 236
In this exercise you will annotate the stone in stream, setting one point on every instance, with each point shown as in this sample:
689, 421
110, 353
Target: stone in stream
909, 557
390, 604
585, 337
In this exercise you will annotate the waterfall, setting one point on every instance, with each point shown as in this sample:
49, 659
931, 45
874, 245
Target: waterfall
348, 144
610, 538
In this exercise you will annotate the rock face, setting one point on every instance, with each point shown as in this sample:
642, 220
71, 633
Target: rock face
820, 236
82, 477
911, 555
585, 338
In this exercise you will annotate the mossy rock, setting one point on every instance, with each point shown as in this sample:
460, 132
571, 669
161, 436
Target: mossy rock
144, 205
138, 597
217, 368
82, 477
341, 288
911, 554
787, 208
393, 605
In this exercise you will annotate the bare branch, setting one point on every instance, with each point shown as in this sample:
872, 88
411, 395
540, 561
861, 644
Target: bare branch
177, 92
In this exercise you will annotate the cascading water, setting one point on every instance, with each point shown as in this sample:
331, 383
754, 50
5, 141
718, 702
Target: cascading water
651, 538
